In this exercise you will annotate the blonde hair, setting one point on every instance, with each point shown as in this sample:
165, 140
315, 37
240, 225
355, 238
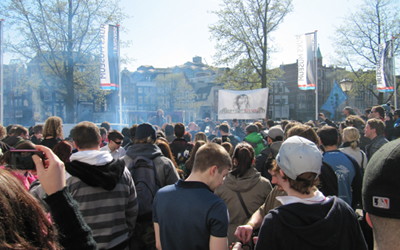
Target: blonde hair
53, 127
351, 135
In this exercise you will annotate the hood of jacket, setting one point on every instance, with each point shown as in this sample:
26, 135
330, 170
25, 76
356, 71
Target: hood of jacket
102, 171
254, 138
243, 183
150, 151
313, 223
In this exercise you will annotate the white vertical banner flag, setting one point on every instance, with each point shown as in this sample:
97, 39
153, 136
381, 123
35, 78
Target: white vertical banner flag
384, 67
306, 48
242, 104
109, 59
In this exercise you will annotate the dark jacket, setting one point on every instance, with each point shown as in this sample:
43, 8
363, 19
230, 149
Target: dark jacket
375, 144
73, 230
331, 224
166, 172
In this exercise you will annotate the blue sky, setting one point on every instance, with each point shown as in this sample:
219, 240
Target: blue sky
170, 32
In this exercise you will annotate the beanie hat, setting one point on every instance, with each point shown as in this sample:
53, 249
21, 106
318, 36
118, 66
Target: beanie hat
381, 185
145, 130
275, 131
297, 155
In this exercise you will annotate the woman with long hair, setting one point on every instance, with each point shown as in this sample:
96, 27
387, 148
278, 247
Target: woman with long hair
162, 143
52, 132
244, 189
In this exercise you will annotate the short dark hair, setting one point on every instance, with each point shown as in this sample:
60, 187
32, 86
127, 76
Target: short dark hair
378, 125
86, 135
38, 128
224, 127
19, 129
211, 154
179, 130
380, 110
106, 125
132, 131
169, 129
115, 134
329, 135
103, 131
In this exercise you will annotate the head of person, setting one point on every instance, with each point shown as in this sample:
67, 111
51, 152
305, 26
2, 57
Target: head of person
53, 127
115, 139
380, 195
3, 132
297, 166
21, 131
251, 128
305, 132
38, 131
187, 136
224, 129
145, 134
132, 131
374, 127
348, 111
288, 126
103, 133
166, 151
275, 134
169, 130
328, 135
86, 136
351, 137
377, 112
214, 162
106, 125
270, 123
125, 132
355, 121
179, 130
200, 136
23, 224
227, 146
242, 159
259, 125
63, 150
235, 123
160, 112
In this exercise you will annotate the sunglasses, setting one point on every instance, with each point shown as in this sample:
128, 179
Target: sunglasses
117, 142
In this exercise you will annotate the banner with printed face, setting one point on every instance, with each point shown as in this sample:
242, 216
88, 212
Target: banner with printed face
244, 104
384, 68
306, 51
109, 73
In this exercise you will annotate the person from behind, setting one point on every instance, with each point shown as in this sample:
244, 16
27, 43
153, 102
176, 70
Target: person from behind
18, 134
188, 215
180, 147
146, 151
115, 139
37, 136
254, 138
95, 179
307, 219
52, 132
350, 146
380, 196
244, 189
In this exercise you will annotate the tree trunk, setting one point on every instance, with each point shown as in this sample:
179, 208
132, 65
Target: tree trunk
69, 83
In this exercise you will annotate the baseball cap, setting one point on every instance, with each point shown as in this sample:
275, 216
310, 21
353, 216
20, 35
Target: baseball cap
381, 185
298, 155
275, 131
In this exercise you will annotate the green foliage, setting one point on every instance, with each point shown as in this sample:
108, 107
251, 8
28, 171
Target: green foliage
59, 37
243, 32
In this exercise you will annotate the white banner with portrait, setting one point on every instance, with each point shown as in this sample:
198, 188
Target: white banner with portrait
243, 104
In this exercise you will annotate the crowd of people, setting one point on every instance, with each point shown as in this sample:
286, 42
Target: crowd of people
213, 185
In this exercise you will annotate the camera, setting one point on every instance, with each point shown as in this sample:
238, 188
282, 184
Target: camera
22, 158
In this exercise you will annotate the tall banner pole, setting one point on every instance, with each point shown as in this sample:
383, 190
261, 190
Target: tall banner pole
316, 74
119, 78
394, 74
1, 74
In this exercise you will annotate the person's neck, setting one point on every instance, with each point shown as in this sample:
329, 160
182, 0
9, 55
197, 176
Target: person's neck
199, 177
292, 192
330, 148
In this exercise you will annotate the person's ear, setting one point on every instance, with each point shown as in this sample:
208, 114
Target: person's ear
212, 170
368, 219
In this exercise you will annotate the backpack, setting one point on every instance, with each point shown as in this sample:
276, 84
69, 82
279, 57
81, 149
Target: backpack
144, 175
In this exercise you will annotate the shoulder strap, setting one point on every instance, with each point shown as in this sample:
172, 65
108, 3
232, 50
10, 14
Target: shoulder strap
243, 204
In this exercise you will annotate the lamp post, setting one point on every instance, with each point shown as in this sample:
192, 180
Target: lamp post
346, 85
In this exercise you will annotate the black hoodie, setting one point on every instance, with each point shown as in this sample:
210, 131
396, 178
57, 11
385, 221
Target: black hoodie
331, 224
105, 176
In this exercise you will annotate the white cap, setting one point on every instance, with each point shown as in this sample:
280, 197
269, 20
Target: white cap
298, 155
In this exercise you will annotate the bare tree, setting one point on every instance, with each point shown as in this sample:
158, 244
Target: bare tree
359, 36
243, 32
59, 35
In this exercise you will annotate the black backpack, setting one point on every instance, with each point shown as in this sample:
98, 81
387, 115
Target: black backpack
144, 175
